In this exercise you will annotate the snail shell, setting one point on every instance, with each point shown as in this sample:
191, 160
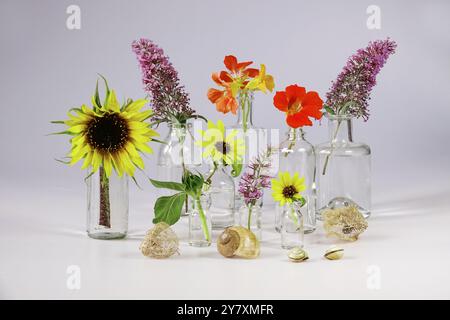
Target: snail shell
298, 255
238, 241
334, 253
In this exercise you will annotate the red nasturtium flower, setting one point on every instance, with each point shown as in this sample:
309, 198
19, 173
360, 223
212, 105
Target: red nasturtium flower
298, 105
232, 81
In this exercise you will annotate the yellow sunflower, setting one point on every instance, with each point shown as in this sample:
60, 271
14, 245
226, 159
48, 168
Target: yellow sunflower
110, 136
287, 188
221, 147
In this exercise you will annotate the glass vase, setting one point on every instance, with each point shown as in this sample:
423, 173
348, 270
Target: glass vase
292, 233
221, 192
199, 223
343, 169
107, 210
175, 154
296, 154
255, 138
250, 218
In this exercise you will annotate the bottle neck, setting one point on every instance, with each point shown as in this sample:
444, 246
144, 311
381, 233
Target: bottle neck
340, 129
178, 131
245, 109
296, 134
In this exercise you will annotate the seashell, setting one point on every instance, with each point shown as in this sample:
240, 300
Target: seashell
346, 223
159, 242
334, 253
238, 241
297, 254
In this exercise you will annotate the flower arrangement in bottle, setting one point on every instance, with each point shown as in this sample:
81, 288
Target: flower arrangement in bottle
296, 153
251, 187
286, 190
108, 138
238, 83
344, 166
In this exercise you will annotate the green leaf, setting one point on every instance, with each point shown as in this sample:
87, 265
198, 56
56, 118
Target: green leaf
57, 122
329, 110
168, 209
97, 96
193, 183
107, 88
168, 185
237, 168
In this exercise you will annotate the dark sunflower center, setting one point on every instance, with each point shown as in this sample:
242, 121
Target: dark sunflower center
222, 147
289, 192
109, 133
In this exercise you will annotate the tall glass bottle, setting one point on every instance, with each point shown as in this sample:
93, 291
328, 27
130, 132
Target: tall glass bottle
222, 196
107, 211
175, 153
296, 154
343, 169
255, 138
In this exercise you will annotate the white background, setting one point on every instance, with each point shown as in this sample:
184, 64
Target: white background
47, 69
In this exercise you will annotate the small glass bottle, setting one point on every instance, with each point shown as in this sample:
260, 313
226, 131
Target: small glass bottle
296, 154
107, 210
250, 218
199, 223
343, 169
222, 194
292, 233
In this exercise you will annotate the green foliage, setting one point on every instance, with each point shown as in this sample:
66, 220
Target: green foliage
168, 208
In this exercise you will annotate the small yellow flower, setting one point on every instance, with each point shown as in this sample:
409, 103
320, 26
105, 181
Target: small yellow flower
262, 82
287, 189
220, 147
110, 136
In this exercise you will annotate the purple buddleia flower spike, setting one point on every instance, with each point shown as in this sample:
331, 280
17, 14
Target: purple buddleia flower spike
350, 93
169, 99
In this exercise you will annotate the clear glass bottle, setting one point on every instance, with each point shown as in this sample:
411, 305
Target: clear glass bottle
250, 218
199, 224
176, 152
292, 233
107, 210
296, 154
255, 138
222, 196
343, 169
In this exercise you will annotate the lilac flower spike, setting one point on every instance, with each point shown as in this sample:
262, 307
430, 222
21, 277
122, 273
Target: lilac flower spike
169, 99
256, 178
350, 93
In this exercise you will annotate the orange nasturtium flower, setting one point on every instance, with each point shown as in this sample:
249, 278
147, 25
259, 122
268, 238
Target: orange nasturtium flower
237, 77
298, 105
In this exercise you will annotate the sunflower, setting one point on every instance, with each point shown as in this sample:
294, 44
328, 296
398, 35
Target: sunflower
110, 136
227, 149
287, 189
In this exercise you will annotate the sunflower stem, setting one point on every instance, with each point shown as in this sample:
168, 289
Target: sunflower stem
105, 205
292, 214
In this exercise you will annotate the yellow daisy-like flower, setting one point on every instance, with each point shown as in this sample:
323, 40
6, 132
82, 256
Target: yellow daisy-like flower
110, 136
287, 188
218, 146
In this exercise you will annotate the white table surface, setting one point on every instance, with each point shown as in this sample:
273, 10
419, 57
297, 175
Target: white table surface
405, 253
